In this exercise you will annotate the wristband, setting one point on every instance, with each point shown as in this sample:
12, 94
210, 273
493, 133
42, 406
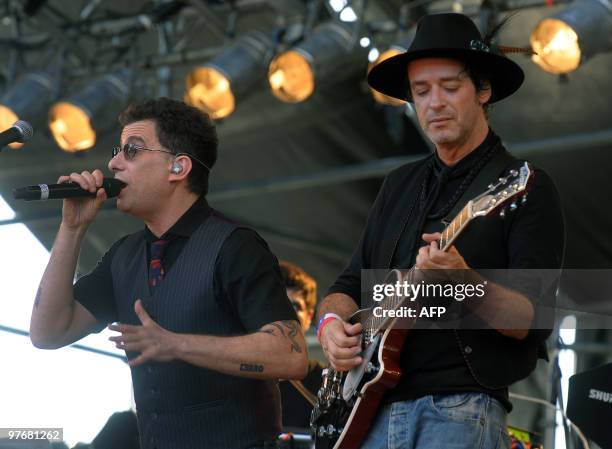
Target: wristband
324, 320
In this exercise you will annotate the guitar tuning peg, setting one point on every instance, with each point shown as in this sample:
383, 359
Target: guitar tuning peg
502, 180
490, 186
513, 206
502, 213
524, 199
513, 172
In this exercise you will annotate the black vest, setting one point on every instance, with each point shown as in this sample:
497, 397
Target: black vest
180, 405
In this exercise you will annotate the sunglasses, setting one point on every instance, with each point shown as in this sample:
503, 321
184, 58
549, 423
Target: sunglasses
129, 153
130, 150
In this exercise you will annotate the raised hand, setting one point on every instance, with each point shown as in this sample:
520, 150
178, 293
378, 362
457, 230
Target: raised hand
78, 213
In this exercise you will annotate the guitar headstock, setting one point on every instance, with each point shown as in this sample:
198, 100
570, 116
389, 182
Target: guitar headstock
507, 189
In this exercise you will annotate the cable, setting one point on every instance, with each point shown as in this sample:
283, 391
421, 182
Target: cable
584, 441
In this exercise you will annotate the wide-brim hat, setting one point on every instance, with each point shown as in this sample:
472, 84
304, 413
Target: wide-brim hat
448, 35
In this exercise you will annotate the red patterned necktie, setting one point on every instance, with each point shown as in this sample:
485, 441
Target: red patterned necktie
156, 270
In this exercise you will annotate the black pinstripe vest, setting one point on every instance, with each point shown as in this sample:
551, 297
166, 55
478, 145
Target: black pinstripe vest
180, 405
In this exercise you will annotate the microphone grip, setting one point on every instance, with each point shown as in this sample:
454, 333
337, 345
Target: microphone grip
65, 190
50, 192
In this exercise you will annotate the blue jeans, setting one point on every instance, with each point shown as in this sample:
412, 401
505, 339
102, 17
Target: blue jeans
453, 421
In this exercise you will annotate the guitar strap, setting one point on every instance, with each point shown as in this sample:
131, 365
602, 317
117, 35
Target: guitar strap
306, 394
490, 173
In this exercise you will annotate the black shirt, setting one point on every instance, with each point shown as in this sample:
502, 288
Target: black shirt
438, 367
246, 273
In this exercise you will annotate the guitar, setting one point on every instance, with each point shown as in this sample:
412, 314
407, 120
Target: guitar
348, 401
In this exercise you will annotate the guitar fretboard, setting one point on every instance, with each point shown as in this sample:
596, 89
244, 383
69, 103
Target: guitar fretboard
373, 324
454, 228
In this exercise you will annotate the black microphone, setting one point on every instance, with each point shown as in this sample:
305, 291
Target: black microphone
67, 190
21, 131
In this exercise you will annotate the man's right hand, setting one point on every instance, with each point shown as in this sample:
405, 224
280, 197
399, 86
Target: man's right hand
341, 343
78, 213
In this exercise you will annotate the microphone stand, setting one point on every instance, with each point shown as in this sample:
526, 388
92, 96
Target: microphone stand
556, 395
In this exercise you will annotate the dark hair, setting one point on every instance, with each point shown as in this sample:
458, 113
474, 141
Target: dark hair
181, 129
480, 77
297, 279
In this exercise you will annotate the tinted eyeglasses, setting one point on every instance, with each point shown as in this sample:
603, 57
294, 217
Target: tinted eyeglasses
130, 150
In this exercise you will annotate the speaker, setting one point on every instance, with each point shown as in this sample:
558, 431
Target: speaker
589, 403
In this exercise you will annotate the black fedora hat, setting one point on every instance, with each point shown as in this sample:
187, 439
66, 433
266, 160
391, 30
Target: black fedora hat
448, 35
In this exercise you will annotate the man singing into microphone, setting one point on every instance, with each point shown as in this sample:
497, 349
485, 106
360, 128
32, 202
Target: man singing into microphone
198, 300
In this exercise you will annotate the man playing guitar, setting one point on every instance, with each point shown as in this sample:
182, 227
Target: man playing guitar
453, 391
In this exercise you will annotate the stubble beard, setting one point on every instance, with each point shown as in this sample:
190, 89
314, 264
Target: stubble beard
445, 136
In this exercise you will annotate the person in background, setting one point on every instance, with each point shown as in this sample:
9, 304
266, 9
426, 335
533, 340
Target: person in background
298, 396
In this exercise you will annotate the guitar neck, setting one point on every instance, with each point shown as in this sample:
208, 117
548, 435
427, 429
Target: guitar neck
455, 227
450, 233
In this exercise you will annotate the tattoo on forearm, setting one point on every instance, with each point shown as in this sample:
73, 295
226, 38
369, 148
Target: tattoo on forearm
38, 294
271, 329
251, 367
279, 327
292, 328
292, 331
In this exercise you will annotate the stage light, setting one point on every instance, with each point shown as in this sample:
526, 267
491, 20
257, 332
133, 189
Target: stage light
291, 77
556, 45
578, 32
348, 15
28, 99
337, 5
75, 121
327, 55
209, 90
373, 54
216, 86
71, 127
